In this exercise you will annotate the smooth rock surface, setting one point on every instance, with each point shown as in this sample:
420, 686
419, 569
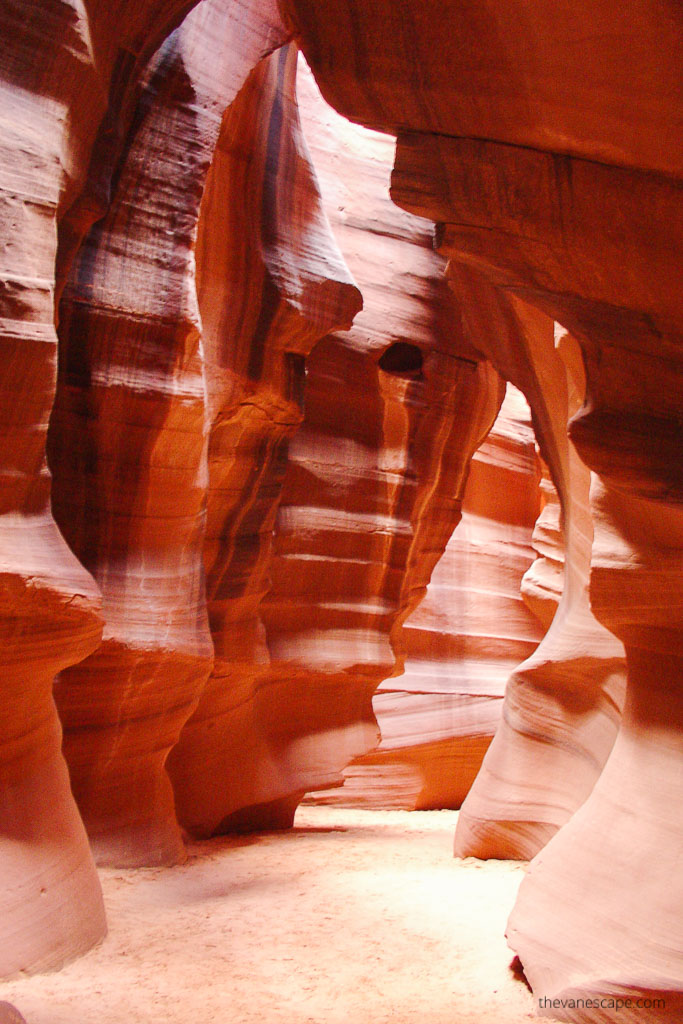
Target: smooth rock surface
471, 630
549, 158
271, 282
56, 68
545, 141
305, 630
562, 706
129, 435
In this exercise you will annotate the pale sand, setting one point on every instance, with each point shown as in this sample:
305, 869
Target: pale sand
354, 917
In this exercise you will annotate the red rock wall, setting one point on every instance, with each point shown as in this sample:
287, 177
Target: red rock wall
276, 248
563, 704
463, 641
100, 132
520, 72
128, 441
304, 633
544, 137
57, 65
572, 206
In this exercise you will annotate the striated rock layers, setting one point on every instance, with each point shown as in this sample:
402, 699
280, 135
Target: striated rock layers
462, 642
179, 408
562, 705
555, 165
128, 440
63, 64
253, 594
228, 769
370, 493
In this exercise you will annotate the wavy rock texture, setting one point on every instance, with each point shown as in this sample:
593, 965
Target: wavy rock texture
555, 164
562, 706
462, 642
56, 67
634, 419
479, 77
271, 282
543, 582
616, 941
370, 500
574, 206
367, 504
128, 441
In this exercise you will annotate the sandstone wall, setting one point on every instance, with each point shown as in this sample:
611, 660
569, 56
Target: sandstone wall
552, 161
63, 65
271, 282
462, 642
160, 187
128, 440
563, 704
306, 628
109, 131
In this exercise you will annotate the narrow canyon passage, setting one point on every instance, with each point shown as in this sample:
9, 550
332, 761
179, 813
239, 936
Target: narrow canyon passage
354, 916
340, 434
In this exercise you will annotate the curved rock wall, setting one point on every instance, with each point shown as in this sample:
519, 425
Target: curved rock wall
631, 418
271, 282
128, 441
58, 64
521, 72
368, 499
620, 923
471, 630
562, 705
553, 166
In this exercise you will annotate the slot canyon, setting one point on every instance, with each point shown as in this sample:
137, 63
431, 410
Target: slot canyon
341, 522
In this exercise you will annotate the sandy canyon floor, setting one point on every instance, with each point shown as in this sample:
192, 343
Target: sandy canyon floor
353, 917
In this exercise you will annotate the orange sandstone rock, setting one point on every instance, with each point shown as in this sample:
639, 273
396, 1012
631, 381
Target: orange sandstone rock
463, 640
617, 298
608, 877
562, 705
555, 164
545, 138
369, 498
271, 282
56, 66
129, 436
521, 72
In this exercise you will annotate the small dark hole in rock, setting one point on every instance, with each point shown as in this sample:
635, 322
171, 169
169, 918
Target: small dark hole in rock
401, 358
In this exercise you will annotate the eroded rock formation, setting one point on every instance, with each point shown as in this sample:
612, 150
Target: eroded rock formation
262, 236
552, 161
461, 643
562, 705
129, 435
56, 70
633, 475
558, 192
369, 498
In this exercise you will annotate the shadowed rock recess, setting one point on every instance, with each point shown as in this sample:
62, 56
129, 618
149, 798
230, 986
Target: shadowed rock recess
250, 479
